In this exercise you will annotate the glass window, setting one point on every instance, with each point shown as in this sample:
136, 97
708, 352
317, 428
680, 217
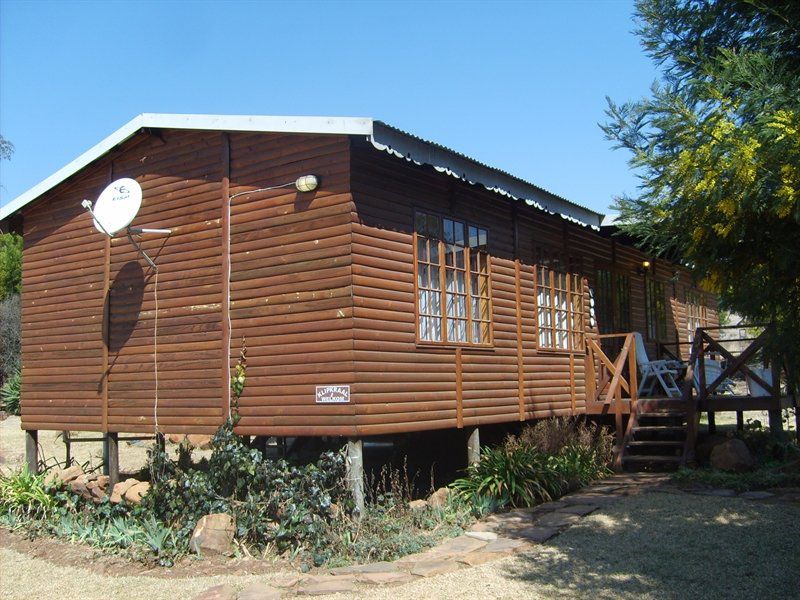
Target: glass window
453, 288
696, 314
559, 308
655, 310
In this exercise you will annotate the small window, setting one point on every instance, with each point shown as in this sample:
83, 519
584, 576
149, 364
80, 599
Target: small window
453, 287
696, 314
559, 307
655, 310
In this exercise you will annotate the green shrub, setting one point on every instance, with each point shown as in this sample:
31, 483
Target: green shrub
10, 394
544, 462
25, 495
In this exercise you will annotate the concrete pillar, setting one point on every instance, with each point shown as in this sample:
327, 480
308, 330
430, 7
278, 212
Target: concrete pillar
111, 458
32, 450
473, 446
355, 473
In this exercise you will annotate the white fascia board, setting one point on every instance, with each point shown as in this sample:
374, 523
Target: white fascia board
319, 125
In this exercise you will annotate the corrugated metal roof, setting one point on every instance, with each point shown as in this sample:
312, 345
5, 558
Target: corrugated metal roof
382, 136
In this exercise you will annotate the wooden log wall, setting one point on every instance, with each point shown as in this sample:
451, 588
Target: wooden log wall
321, 288
291, 282
401, 385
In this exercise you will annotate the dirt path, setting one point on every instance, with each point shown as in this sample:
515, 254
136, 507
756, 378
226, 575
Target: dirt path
652, 545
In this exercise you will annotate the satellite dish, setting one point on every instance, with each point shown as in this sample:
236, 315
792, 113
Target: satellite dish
117, 206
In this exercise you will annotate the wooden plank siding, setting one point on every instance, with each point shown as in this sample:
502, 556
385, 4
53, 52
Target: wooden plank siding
291, 282
401, 385
321, 290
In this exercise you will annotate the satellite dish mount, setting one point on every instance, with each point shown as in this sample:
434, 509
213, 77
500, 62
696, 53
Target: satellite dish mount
116, 207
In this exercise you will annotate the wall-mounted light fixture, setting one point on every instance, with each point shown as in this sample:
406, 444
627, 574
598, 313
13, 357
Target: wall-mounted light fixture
642, 269
306, 183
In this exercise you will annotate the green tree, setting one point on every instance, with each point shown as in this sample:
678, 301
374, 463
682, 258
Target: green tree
717, 149
10, 264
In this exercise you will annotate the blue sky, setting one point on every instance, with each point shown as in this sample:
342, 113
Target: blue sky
518, 85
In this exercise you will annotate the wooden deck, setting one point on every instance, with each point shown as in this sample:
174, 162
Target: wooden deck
662, 431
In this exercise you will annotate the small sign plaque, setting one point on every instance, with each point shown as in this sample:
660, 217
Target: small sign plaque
333, 394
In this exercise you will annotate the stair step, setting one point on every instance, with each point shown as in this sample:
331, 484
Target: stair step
662, 415
659, 429
660, 443
654, 458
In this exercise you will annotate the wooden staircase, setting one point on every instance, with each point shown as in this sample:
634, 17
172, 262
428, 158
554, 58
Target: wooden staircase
656, 435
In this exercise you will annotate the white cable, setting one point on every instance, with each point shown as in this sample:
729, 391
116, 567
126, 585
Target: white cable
155, 352
228, 273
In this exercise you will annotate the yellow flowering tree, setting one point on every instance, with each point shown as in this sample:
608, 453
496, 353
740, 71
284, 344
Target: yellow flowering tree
717, 150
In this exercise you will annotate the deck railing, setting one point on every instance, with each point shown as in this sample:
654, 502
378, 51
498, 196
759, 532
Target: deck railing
700, 394
613, 382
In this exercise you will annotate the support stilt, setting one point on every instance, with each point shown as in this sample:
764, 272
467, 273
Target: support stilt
474, 446
775, 422
712, 423
67, 449
739, 420
355, 472
32, 450
111, 456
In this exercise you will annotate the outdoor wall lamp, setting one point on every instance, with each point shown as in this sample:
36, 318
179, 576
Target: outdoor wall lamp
643, 268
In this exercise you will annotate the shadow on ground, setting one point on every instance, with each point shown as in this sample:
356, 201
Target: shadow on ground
665, 545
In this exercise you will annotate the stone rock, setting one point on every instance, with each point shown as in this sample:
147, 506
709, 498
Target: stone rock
200, 442
439, 498
218, 592
537, 534
756, 495
176, 438
484, 526
213, 534
286, 581
260, 591
120, 488
376, 567
418, 505
485, 536
473, 559
706, 446
429, 568
331, 585
578, 509
64, 476
557, 519
462, 544
79, 486
134, 493
385, 578
732, 455
504, 545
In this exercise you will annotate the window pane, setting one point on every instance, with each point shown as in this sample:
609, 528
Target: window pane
423, 276
459, 257
435, 282
435, 303
473, 237
422, 248
461, 286
434, 252
433, 226
423, 302
476, 308
449, 257
448, 231
458, 229
436, 330
424, 329
420, 223
483, 239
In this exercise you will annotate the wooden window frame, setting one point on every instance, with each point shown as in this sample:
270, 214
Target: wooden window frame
695, 299
576, 338
442, 265
651, 310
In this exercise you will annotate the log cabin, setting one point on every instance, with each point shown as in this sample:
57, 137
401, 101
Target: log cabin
414, 289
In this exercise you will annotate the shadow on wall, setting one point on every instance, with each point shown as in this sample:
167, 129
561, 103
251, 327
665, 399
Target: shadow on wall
124, 304
664, 545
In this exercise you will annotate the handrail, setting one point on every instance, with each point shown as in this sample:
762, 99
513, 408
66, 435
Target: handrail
609, 391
